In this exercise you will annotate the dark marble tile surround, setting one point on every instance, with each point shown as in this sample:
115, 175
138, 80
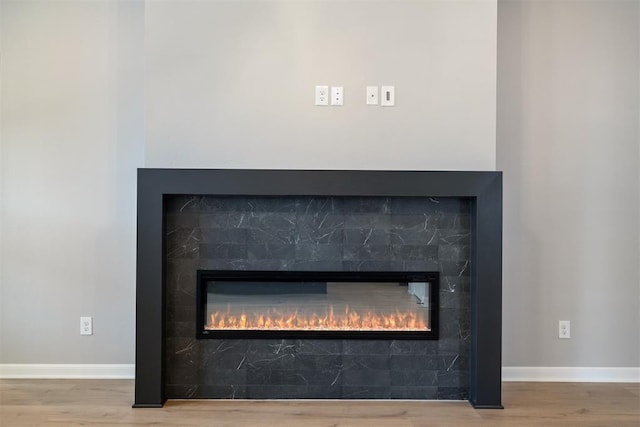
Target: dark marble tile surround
323, 234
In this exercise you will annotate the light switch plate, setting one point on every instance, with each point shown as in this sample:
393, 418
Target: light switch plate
388, 96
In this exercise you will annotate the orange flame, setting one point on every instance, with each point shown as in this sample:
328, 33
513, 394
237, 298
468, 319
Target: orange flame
350, 320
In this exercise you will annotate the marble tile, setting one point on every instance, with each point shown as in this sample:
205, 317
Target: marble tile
366, 377
415, 378
366, 392
305, 233
414, 393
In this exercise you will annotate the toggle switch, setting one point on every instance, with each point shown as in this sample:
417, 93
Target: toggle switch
388, 96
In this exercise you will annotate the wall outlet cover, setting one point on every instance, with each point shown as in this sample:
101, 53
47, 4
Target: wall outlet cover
322, 95
86, 326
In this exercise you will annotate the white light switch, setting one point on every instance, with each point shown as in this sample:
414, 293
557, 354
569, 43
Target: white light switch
388, 96
372, 95
322, 95
337, 95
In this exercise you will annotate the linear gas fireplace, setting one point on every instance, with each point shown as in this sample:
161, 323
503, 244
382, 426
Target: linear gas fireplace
317, 304
294, 284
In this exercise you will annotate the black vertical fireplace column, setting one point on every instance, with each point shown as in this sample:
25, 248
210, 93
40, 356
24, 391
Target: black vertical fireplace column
483, 188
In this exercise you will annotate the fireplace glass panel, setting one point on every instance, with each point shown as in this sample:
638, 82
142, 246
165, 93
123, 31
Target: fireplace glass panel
318, 304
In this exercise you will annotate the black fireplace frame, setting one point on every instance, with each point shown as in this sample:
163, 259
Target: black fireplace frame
484, 188
319, 276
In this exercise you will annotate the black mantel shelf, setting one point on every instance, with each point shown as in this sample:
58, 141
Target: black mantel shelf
483, 188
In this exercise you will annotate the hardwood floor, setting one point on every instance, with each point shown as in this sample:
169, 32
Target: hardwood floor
108, 403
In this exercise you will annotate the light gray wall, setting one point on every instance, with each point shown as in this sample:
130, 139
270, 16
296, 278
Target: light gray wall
73, 129
1, 187
72, 137
638, 260
231, 83
567, 140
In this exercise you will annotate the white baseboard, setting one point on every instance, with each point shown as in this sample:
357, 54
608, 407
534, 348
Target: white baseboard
570, 374
509, 373
67, 371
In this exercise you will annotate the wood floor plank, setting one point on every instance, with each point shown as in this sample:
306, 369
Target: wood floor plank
108, 403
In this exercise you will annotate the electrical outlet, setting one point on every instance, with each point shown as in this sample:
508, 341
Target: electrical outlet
86, 326
564, 329
322, 95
